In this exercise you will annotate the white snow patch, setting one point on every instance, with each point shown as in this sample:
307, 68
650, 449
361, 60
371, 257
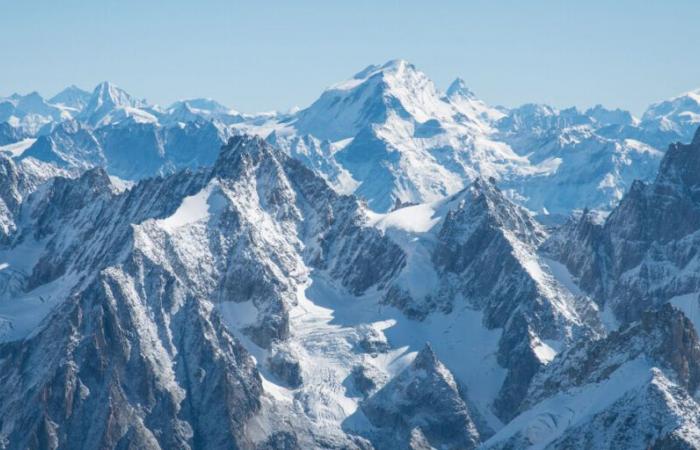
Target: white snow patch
194, 208
119, 184
547, 420
23, 314
560, 272
415, 219
544, 352
15, 150
238, 315
607, 316
690, 305
459, 339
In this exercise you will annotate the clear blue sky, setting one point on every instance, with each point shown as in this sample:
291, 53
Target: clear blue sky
265, 55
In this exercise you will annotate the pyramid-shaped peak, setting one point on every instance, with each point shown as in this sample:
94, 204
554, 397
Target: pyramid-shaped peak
681, 164
71, 89
72, 96
107, 92
109, 104
426, 358
458, 88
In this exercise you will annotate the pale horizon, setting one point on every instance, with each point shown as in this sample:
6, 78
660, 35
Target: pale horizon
278, 56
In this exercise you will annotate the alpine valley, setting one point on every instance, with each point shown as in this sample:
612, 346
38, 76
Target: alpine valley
391, 267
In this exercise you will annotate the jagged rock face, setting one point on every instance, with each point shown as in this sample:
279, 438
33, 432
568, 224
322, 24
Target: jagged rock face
604, 117
423, 400
9, 134
126, 316
657, 415
318, 156
70, 144
479, 232
489, 232
665, 336
144, 271
10, 195
175, 277
634, 388
17, 180
660, 416
644, 253
84, 387
575, 244
314, 225
482, 252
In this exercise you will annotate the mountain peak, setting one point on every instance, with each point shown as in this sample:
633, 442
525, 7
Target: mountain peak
33, 102
107, 99
239, 151
72, 97
394, 89
426, 358
397, 64
681, 163
394, 65
458, 88
107, 92
675, 118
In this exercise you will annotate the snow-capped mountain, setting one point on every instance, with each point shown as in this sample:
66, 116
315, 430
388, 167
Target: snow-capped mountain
106, 259
402, 141
574, 162
422, 407
198, 109
30, 112
71, 97
365, 273
635, 388
393, 139
530, 312
466, 102
644, 253
109, 104
263, 243
606, 117
673, 120
17, 180
129, 151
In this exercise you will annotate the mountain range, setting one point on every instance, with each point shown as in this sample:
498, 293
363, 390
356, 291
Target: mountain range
391, 267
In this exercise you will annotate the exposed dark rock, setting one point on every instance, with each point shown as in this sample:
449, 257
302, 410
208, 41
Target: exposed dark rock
422, 404
286, 367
